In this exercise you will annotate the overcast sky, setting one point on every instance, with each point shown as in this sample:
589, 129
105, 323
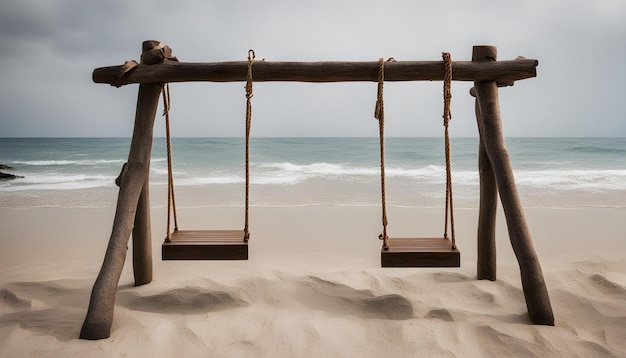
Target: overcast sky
50, 48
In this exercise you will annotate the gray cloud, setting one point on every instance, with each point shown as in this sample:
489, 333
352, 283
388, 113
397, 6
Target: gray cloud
50, 49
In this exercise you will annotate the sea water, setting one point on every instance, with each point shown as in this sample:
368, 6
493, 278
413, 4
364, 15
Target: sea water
209, 172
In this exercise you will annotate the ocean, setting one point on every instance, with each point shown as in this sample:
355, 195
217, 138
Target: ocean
209, 172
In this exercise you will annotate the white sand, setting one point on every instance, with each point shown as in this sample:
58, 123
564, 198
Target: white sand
313, 287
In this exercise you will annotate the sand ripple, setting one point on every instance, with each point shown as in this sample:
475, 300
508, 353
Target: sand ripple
293, 312
186, 300
10, 300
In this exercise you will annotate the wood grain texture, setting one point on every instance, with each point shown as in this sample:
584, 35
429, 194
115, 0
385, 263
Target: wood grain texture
132, 182
420, 252
97, 324
486, 264
142, 238
205, 245
492, 137
265, 71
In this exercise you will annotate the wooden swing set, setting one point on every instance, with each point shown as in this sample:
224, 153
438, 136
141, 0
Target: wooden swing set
158, 67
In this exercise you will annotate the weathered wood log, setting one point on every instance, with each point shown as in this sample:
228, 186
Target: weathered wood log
486, 236
97, 324
533, 283
99, 317
265, 71
142, 238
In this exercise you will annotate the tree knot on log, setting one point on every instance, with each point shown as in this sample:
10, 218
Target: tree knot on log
118, 180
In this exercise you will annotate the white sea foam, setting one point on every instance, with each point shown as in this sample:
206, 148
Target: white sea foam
158, 171
57, 182
305, 171
578, 179
209, 180
317, 169
68, 162
331, 171
286, 173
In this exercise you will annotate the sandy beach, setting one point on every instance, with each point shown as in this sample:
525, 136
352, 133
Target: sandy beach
279, 107
313, 287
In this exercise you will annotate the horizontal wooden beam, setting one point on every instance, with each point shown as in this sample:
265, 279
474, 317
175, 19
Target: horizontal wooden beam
265, 71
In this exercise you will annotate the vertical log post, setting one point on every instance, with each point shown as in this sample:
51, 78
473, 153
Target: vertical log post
533, 284
97, 324
486, 237
142, 238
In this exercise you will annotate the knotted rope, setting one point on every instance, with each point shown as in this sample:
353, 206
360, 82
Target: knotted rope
447, 95
251, 56
171, 199
379, 113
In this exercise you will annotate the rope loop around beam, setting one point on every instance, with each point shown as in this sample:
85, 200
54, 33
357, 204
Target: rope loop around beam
447, 91
251, 57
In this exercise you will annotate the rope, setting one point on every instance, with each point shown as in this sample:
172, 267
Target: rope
447, 95
251, 56
379, 113
171, 199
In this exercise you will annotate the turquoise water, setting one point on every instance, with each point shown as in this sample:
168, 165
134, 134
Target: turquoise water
80, 172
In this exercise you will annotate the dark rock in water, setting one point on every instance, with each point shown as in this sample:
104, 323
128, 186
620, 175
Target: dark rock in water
5, 176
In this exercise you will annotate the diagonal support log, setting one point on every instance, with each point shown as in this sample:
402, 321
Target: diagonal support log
533, 283
133, 206
97, 324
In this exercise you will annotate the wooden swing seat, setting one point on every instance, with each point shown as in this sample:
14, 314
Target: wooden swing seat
420, 252
205, 245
